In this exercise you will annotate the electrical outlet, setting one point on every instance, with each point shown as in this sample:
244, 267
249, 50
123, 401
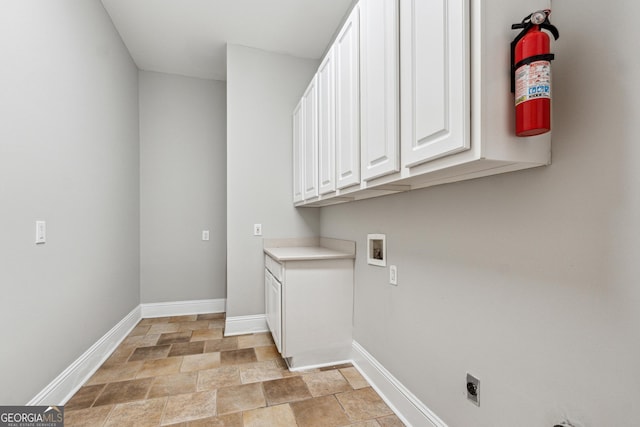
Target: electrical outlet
473, 389
205, 235
41, 232
257, 229
393, 275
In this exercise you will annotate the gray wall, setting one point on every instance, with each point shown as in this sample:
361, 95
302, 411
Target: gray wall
263, 88
182, 188
69, 156
528, 280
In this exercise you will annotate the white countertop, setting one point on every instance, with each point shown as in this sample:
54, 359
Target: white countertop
306, 249
305, 253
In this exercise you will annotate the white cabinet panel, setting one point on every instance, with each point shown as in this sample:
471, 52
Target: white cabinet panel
298, 139
327, 125
379, 74
273, 298
347, 102
435, 89
310, 132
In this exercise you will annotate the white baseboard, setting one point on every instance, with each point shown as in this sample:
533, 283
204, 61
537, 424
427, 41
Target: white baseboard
65, 385
407, 406
241, 325
183, 308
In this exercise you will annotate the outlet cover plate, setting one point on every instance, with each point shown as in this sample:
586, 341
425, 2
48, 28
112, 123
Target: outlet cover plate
473, 389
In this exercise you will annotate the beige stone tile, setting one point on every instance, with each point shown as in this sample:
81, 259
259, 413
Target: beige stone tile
153, 320
153, 352
186, 348
224, 344
217, 323
368, 423
237, 357
114, 373
206, 334
168, 385
174, 337
185, 318
326, 382
390, 421
194, 326
154, 368
143, 413
354, 378
124, 391
212, 379
229, 420
240, 398
140, 341
139, 330
211, 316
363, 404
332, 367
280, 415
267, 353
255, 340
119, 355
200, 362
322, 411
285, 390
260, 371
287, 373
164, 328
84, 397
188, 407
89, 417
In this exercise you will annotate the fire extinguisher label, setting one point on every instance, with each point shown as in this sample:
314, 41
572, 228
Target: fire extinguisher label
533, 81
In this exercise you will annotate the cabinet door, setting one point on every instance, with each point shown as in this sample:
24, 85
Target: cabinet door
310, 144
379, 85
326, 125
347, 102
268, 304
434, 59
275, 297
298, 138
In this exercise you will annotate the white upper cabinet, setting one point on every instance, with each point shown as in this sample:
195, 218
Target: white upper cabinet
310, 144
379, 84
327, 125
422, 98
435, 79
298, 139
347, 55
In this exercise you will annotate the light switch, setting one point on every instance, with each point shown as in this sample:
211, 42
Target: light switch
41, 232
205, 234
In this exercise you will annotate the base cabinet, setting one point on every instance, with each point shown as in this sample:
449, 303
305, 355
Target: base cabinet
313, 325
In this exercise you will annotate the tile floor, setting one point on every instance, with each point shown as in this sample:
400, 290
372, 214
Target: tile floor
181, 371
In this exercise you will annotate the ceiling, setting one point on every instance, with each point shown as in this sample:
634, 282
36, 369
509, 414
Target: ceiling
189, 37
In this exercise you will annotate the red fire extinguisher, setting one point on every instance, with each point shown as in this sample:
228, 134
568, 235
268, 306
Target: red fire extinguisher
531, 73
